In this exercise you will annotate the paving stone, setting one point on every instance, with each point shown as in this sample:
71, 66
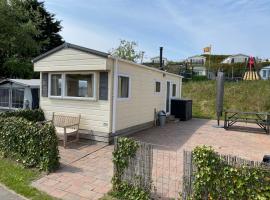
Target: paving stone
87, 168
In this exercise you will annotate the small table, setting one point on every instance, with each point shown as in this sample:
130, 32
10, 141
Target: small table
262, 119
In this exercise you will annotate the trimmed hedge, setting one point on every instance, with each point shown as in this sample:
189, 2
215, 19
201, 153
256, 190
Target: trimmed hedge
32, 144
31, 115
216, 179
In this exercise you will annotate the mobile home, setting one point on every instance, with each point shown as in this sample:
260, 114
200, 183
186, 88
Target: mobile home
19, 94
113, 96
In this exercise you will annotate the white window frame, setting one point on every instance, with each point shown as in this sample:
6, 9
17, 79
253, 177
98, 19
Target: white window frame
129, 87
63, 84
155, 91
50, 83
81, 98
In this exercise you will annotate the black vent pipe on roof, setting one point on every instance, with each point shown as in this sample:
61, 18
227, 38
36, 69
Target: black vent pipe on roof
161, 58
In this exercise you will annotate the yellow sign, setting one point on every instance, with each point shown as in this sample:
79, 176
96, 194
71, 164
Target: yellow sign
207, 49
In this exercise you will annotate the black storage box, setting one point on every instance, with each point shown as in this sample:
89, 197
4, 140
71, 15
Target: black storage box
181, 108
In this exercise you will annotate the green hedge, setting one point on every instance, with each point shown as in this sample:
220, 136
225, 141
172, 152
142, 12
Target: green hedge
215, 179
199, 78
30, 143
31, 115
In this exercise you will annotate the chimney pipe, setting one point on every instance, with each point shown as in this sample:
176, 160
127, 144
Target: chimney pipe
161, 58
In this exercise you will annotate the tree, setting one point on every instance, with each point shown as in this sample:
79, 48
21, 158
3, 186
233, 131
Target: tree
49, 26
27, 30
16, 35
126, 50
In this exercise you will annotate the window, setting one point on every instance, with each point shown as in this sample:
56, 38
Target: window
4, 97
17, 97
264, 73
71, 85
56, 85
174, 90
79, 85
123, 87
158, 86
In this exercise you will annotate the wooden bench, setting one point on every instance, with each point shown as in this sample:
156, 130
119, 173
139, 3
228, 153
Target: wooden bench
262, 119
65, 126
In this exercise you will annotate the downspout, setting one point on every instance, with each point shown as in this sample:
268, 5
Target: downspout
180, 87
114, 96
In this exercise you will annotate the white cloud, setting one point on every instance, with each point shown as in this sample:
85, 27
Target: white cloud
182, 27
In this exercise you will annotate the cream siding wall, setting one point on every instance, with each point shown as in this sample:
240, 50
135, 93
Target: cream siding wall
71, 60
95, 115
139, 108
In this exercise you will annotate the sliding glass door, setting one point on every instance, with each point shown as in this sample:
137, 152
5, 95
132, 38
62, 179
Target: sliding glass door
4, 97
17, 97
11, 97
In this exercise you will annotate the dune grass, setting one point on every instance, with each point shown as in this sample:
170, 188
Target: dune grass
242, 96
17, 178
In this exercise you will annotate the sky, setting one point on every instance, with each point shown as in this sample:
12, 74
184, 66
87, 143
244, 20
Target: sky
182, 27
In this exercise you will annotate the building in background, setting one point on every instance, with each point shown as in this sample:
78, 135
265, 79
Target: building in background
197, 65
156, 60
19, 94
237, 58
265, 73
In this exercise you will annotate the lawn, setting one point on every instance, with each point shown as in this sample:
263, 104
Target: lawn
243, 96
18, 179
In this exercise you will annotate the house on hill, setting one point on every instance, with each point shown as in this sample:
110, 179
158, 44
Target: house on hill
156, 60
112, 95
237, 58
197, 63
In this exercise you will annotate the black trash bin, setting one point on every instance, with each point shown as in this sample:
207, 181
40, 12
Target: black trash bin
181, 109
162, 118
266, 158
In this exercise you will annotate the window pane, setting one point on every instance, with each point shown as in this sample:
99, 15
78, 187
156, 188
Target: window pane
123, 87
79, 85
56, 84
157, 86
264, 73
174, 90
4, 97
17, 97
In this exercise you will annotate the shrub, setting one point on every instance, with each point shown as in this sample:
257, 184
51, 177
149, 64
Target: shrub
216, 179
126, 149
30, 143
199, 78
31, 115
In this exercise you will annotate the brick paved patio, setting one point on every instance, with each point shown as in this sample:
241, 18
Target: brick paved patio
247, 141
85, 173
170, 142
86, 168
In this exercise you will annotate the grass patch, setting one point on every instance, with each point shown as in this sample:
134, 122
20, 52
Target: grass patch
18, 179
243, 96
108, 197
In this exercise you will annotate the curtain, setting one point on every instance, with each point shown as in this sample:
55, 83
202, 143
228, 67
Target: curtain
123, 86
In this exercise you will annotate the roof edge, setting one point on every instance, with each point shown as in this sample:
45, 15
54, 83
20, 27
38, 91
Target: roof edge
18, 82
72, 46
145, 66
